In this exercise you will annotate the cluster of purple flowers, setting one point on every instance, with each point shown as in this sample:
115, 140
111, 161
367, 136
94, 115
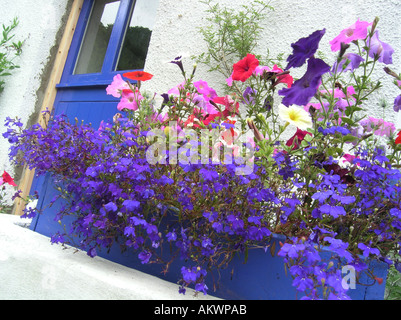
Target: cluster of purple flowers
205, 213
117, 194
313, 275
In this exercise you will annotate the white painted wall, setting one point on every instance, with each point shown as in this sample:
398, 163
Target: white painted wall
40, 21
176, 32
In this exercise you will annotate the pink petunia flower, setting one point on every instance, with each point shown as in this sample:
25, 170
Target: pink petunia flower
380, 127
359, 30
129, 100
117, 86
229, 81
349, 158
176, 89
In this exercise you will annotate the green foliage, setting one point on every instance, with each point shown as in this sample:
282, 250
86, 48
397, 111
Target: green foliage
393, 285
231, 34
9, 49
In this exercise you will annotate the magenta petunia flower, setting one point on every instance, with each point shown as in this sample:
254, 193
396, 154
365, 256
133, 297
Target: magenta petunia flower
304, 48
305, 88
380, 49
129, 100
204, 89
359, 30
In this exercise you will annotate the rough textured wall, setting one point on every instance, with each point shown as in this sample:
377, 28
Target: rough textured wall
176, 32
39, 27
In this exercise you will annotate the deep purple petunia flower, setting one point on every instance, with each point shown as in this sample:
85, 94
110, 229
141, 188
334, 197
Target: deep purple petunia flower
304, 48
178, 62
380, 49
397, 104
305, 88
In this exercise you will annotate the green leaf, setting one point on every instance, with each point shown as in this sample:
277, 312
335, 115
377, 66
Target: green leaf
349, 138
348, 121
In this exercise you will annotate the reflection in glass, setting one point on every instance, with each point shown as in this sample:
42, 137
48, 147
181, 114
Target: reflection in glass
97, 36
137, 37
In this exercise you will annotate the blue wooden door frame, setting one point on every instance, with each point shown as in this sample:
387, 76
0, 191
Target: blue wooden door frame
83, 96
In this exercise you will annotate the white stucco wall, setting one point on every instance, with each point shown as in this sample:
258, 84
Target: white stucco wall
39, 22
176, 32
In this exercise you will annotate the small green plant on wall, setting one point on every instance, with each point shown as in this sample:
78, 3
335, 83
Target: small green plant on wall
9, 50
231, 34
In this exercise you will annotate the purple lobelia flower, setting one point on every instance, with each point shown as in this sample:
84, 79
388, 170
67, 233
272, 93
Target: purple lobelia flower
379, 49
145, 256
304, 48
291, 250
367, 250
305, 88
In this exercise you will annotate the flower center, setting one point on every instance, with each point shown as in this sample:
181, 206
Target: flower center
379, 49
349, 32
293, 116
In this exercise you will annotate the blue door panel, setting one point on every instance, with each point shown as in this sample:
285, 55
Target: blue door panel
92, 113
94, 93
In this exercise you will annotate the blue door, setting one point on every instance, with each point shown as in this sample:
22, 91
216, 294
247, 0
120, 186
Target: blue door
111, 38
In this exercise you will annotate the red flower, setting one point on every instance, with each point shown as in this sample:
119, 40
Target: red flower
194, 119
7, 179
138, 75
300, 135
398, 140
284, 78
231, 105
212, 118
244, 68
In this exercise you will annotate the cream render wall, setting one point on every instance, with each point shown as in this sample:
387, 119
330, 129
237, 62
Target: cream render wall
177, 33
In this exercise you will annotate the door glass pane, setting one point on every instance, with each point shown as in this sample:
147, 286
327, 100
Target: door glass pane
136, 42
97, 36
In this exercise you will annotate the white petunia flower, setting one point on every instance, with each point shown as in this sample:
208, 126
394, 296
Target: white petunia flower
296, 116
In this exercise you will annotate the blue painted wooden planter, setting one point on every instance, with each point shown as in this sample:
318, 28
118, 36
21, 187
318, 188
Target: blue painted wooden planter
263, 277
